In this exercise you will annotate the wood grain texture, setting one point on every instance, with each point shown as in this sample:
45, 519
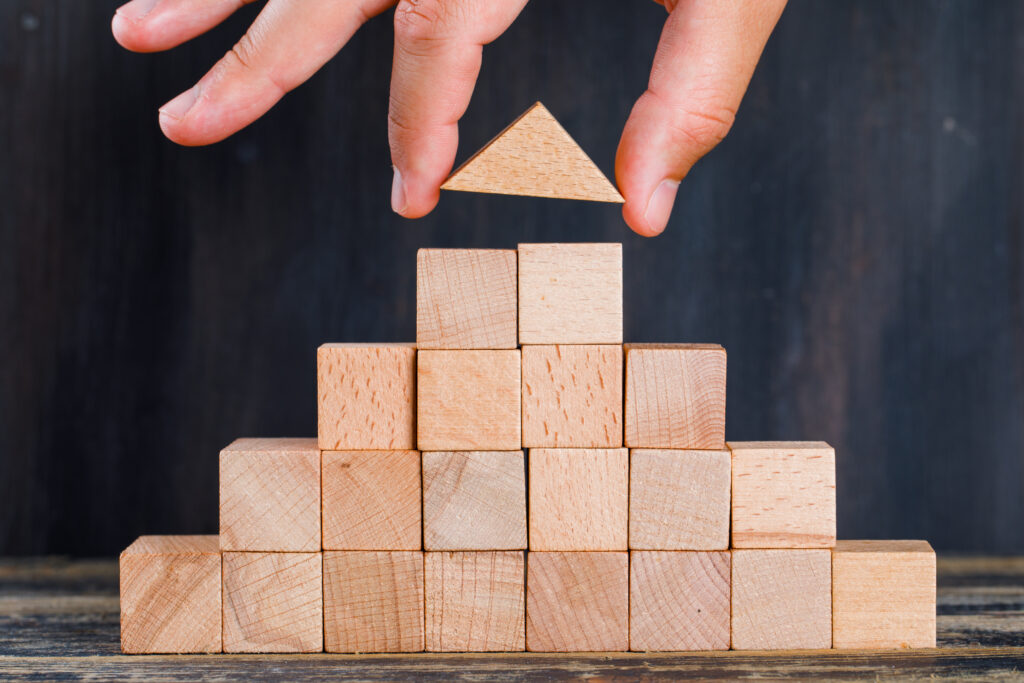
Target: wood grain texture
783, 494
572, 396
469, 400
578, 499
679, 500
475, 601
534, 156
474, 500
570, 293
781, 599
883, 594
170, 595
273, 602
577, 602
270, 495
366, 396
679, 600
373, 601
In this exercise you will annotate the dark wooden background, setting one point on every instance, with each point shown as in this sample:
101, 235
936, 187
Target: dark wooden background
857, 244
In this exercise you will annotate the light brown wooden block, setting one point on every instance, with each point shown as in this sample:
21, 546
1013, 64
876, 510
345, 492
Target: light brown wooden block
577, 602
679, 600
475, 601
572, 396
474, 500
783, 494
366, 396
270, 495
469, 401
679, 500
373, 601
371, 500
883, 594
170, 595
675, 396
781, 599
273, 602
466, 299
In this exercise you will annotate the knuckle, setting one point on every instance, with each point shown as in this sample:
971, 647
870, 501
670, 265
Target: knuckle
705, 125
420, 20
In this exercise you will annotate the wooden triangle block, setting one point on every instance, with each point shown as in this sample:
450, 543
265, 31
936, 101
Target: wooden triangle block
534, 157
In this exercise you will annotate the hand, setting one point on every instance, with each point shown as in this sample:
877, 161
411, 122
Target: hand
707, 53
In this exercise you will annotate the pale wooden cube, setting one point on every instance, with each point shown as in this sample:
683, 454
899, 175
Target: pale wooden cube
474, 500
366, 396
781, 599
883, 594
475, 601
572, 396
170, 595
783, 494
270, 495
466, 299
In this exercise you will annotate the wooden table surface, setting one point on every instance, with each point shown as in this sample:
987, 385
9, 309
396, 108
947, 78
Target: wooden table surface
59, 620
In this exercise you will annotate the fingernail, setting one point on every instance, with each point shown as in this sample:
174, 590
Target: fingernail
136, 9
179, 106
659, 206
398, 202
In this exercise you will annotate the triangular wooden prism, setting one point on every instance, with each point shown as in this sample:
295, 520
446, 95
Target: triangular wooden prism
535, 157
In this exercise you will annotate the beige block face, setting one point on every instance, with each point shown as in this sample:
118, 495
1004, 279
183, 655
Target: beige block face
270, 495
570, 294
883, 594
579, 499
366, 396
783, 494
466, 299
572, 396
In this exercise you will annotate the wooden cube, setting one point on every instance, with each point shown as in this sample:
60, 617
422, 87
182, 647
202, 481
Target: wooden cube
273, 602
469, 401
170, 595
570, 294
883, 594
371, 500
366, 396
783, 494
474, 500
577, 602
572, 396
373, 601
270, 495
679, 500
579, 499
475, 601
675, 396
781, 599
679, 600
466, 299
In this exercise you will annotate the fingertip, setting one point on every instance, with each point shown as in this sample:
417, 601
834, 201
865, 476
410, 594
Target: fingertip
412, 197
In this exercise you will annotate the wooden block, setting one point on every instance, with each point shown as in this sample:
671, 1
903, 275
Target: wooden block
371, 500
675, 396
373, 601
781, 599
475, 601
570, 294
783, 494
273, 602
579, 499
469, 401
577, 602
170, 595
883, 594
572, 396
270, 495
474, 500
466, 299
366, 396
679, 500
679, 600
534, 156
